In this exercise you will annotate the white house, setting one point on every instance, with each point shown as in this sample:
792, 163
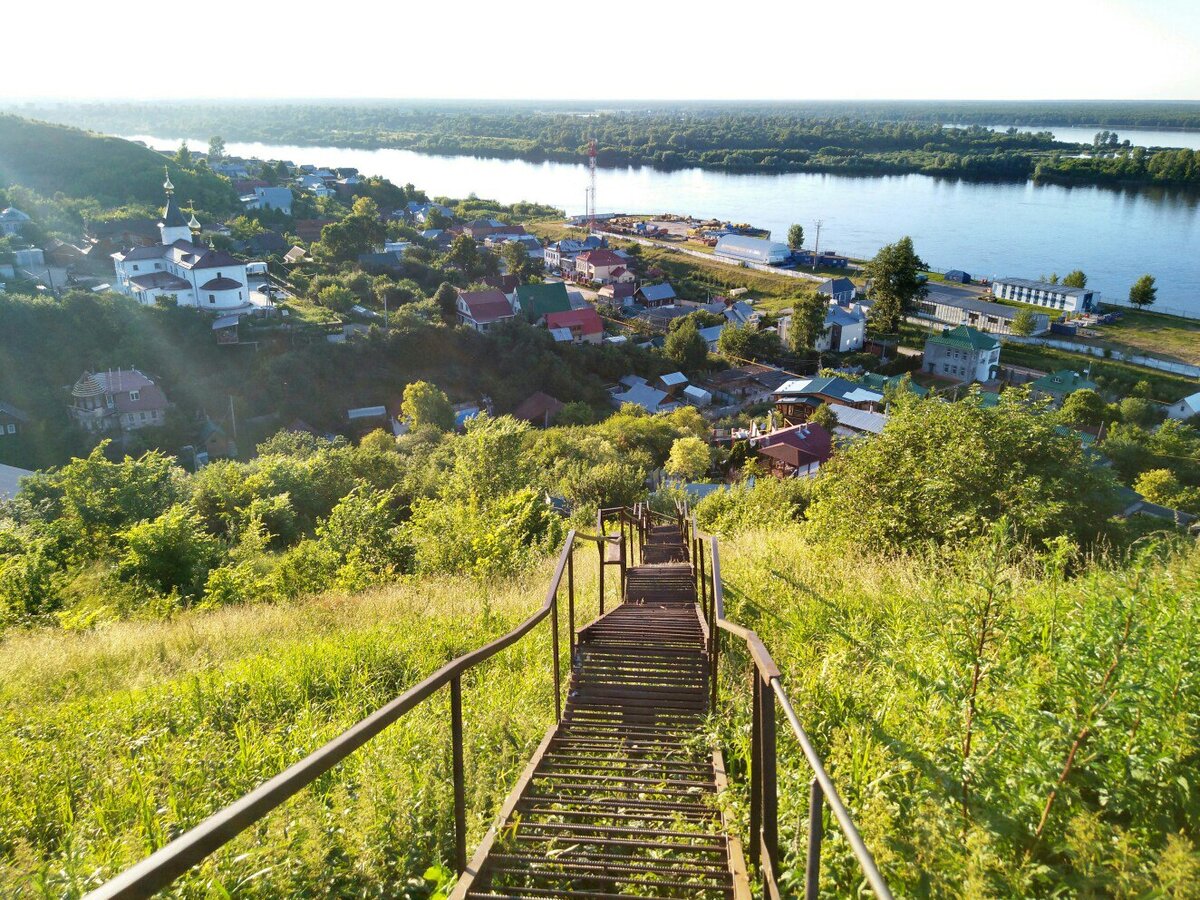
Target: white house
1043, 293
845, 329
279, 198
1186, 408
194, 274
604, 266
12, 220
963, 354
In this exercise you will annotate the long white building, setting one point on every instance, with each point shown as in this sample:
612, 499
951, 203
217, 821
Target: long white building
193, 274
1043, 293
752, 249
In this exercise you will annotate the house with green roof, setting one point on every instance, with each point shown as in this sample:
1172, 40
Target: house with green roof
536, 301
962, 354
882, 383
1057, 386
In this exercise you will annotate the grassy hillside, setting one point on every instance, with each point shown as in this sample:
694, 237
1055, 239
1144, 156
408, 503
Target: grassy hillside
113, 741
879, 658
54, 158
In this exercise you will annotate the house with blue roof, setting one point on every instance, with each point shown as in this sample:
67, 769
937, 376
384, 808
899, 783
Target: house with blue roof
795, 400
654, 295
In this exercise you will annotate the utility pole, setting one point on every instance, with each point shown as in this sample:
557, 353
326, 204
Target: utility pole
232, 418
817, 245
591, 206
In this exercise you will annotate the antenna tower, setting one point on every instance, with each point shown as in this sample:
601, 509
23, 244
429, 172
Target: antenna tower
591, 191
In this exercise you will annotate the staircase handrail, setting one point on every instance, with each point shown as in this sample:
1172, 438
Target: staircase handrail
169, 862
764, 834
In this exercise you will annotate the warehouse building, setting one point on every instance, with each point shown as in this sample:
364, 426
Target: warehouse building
995, 318
1043, 293
754, 250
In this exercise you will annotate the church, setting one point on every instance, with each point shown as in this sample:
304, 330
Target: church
182, 267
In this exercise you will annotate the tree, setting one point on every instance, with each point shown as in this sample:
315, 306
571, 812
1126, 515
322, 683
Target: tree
336, 297
1159, 486
825, 416
690, 458
1023, 323
1143, 293
170, 552
741, 342
808, 322
942, 473
359, 232
446, 297
686, 348
183, 156
795, 237
463, 255
1083, 407
516, 259
1075, 279
895, 284
216, 149
425, 404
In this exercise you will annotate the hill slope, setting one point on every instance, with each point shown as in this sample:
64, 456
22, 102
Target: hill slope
54, 158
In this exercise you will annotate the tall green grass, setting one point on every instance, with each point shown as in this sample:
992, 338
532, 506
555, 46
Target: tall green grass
112, 742
879, 657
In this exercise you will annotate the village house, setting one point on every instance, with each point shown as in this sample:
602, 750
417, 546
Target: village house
13, 421
12, 220
603, 266
636, 390
180, 267
539, 409
796, 400
10, 480
560, 256
583, 325
845, 329
1186, 408
536, 301
483, 309
964, 354
125, 400
277, 198
797, 451
745, 385
1057, 386
653, 295
838, 290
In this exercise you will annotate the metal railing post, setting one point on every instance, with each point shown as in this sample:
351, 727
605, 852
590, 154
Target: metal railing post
816, 827
770, 790
460, 793
600, 547
571, 597
557, 662
756, 768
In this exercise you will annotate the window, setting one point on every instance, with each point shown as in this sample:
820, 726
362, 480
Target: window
12, 429
946, 368
142, 416
135, 395
135, 268
212, 298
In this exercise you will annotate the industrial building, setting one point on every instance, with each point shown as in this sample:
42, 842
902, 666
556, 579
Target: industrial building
995, 318
753, 250
1043, 293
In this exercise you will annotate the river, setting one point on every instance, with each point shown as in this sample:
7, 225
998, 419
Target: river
1012, 229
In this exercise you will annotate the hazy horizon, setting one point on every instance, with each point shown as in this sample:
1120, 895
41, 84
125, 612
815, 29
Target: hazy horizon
1027, 49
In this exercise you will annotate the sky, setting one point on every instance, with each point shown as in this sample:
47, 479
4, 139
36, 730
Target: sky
850, 49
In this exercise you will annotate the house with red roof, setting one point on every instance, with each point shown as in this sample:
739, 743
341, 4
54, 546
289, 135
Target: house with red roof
795, 452
584, 325
483, 309
121, 400
604, 266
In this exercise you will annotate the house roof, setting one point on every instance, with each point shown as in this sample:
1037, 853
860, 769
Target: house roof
1043, 286
602, 257
506, 283
159, 281
221, 284
539, 408
861, 420
983, 307
673, 378
586, 320
1063, 382
835, 286
1192, 401
964, 337
537, 300
10, 478
834, 386
643, 395
486, 306
877, 382
13, 412
172, 216
840, 315
658, 293
799, 445
711, 333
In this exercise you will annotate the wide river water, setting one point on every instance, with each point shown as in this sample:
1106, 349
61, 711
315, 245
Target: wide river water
1023, 229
